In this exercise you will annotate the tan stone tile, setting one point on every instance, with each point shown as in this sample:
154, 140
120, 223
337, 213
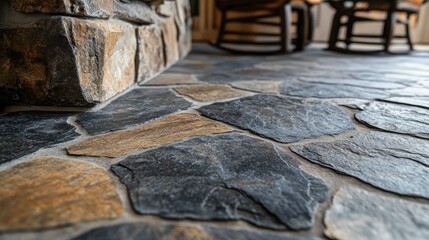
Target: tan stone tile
173, 128
49, 192
172, 79
208, 93
258, 86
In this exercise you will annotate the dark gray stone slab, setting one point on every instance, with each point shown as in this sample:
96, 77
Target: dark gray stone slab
158, 231
358, 214
223, 177
136, 107
353, 82
26, 132
414, 101
283, 119
388, 161
317, 90
396, 118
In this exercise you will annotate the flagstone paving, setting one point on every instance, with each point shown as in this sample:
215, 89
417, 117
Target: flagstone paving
26, 132
310, 145
136, 107
282, 119
49, 192
396, 118
210, 178
358, 214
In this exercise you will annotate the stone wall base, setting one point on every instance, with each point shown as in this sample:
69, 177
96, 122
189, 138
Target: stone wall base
55, 53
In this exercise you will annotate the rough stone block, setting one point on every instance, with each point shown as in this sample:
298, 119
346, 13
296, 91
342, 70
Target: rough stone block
151, 52
66, 61
91, 8
134, 11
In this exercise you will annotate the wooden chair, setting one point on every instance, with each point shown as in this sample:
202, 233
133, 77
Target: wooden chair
390, 7
262, 12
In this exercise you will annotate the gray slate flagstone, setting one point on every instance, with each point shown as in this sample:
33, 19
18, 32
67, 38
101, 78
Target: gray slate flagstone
282, 119
392, 162
223, 177
136, 107
396, 118
358, 214
26, 132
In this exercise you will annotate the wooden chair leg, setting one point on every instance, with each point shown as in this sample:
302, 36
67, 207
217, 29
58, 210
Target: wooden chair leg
302, 29
310, 18
286, 23
335, 29
349, 32
388, 30
222, 27
408, 32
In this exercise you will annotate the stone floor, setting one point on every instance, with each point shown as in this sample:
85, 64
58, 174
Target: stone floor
310, 145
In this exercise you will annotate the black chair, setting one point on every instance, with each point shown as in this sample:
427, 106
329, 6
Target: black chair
350, 10
262, 12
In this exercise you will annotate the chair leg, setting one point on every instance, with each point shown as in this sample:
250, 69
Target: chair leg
221, 35
310, 18
286, 23
336, 24
388, 30
408, 32
349, 33
302, 29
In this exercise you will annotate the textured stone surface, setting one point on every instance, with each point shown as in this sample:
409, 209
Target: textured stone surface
150, 52
411, 92
91, 8
358, 214
170, 129
134, 11
258, 86
197, 179
316, 90
95, 59
209, 93
136, 107
47, 192
26, 132
419, 101
153, 231
282, 119
170, 40
396, 118
172, 79
388, 161
354, 82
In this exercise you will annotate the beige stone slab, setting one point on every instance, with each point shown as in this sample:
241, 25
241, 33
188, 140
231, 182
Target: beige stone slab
258, 86
150, 52
172, 79
170, 129
209, 93
48, 192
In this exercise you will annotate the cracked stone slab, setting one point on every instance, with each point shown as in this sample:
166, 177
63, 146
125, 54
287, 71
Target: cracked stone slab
411, 92
415, 101
49, 192
170, 129
159, 231
358, 214
392, 162
318, 90
210, 93
258, 86
172, 79
136, 107
396, 118
223, 177
26, 132
354, 82
283, 119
